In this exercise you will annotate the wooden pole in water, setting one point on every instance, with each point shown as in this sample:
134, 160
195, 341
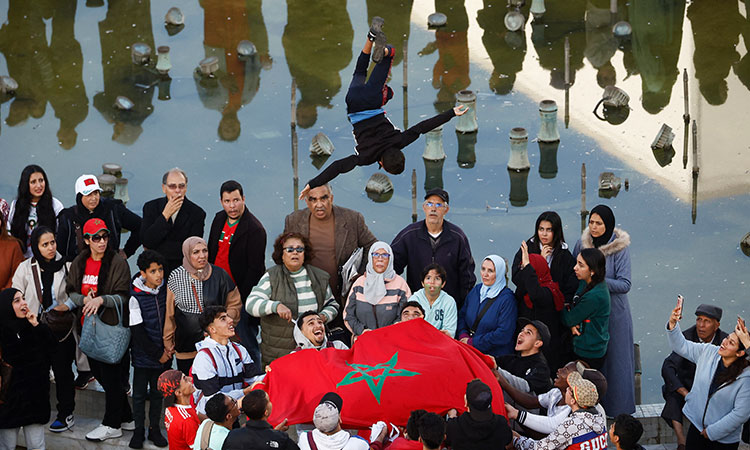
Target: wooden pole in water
685, 118
295, 165
584, 212
567, 82
406, 84
613, 6
696, 169
413, 195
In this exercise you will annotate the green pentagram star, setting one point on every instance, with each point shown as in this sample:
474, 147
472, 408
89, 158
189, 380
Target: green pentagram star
362, 372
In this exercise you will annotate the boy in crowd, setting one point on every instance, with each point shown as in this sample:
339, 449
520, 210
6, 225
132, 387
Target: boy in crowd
527, 369
439, 307
479, 428
180, 418
410, 439
431, 431
222, 412
377, 139
625, 432
411, 310
148, 299
257, 434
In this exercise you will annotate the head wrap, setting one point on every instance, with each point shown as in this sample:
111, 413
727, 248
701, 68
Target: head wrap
492, 291
49, 268
545, 280
9, 323
375, 282
187, 249
608, 217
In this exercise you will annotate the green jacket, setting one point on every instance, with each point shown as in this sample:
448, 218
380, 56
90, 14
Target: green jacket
592, 313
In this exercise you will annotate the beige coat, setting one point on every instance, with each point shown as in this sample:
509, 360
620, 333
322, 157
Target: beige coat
23, 280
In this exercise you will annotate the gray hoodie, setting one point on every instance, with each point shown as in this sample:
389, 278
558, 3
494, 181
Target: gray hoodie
305, 343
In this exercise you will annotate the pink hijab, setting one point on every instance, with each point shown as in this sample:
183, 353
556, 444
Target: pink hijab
187, 249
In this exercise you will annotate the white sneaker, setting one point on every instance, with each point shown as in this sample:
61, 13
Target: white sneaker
128, 426
103, 432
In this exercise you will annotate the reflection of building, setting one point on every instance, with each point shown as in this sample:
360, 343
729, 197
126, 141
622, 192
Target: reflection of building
225, 24
657, 35
506, 49
397, 15
125, 23
715, 32
451, 71
562, 19
66, 93
317, 42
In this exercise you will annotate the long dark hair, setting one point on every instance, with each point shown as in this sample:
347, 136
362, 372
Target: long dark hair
44, 210
735, 369
554, 219
597, 262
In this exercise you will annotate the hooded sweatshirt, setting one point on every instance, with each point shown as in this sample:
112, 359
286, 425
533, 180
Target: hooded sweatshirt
304, 343
466, 433
442, 314
340, 440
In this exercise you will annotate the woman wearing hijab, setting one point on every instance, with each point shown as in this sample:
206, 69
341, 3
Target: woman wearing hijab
99, 279
540, 298
45, 273
190, 288
620, 367
487, 319
376, 298
285, 291
26, 345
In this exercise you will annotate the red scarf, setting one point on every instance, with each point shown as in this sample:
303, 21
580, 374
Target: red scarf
545, 280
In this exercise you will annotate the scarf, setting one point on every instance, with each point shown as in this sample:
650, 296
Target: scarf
375, 282
48, 268
187, 249
10, 325
545, 280
608, 217
486, 292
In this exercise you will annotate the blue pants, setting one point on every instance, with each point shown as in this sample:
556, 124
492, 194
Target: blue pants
367, 94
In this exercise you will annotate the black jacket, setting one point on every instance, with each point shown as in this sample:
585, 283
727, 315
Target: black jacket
412, 249
533, 369
561, 269
247, 254
677, 371
258, 435
112, 212
160, 234
466, 433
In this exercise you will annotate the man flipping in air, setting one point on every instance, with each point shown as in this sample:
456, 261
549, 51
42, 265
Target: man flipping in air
377, 139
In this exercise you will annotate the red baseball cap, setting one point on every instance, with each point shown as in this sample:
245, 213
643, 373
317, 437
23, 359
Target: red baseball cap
93, 226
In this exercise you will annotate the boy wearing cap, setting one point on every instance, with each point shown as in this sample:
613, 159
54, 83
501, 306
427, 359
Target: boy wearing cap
328, 433
180, 419
584, 428
478, 428
377, 139
527, 370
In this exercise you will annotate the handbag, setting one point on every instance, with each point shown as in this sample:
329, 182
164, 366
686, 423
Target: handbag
103, 342
60, 322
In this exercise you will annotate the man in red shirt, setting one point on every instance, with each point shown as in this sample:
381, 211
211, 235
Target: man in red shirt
181, 419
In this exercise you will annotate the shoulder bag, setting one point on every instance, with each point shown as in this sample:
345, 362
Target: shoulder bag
206, 435
485, 307
103, 342
60, 322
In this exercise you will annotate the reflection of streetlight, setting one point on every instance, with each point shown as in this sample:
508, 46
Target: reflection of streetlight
433, 174
519, 192
514, 20
519, 154
140, 53
379, 188
208, 66
537, 9
163, 64
433, 144
467, 156
548, 114
548, 159
246, 49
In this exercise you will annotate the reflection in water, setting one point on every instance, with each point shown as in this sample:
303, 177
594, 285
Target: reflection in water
715, 32
548, 159
562, 19
742, 68
397, 15
125, 24
225, 24
317, 42
657, 35
451, 71
601, 44
506, 49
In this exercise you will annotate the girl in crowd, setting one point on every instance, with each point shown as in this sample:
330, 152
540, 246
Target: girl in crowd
719, 402
26, 345
191, 287
487, 319
620, 368
99, 278
377, 297
285, 291
11, 254
41, 279
588, 318
33, 206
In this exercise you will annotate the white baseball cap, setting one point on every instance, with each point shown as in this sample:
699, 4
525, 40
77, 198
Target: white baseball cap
86, 184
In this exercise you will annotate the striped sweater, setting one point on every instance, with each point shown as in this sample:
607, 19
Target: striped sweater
259, 302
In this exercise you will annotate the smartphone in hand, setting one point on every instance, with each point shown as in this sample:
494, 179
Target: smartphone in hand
680, 300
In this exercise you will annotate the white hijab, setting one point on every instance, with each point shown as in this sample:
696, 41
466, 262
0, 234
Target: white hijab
375, 282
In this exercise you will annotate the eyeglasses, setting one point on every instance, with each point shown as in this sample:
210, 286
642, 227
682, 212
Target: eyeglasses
380, 255
99, 237
434, 205
174, 186
294, 249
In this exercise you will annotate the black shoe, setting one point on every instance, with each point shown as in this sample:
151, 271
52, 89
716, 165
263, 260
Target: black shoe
375, 27
83, 379
155, 436
139, 436
378, 47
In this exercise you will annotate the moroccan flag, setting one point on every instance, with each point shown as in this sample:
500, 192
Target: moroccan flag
388, 373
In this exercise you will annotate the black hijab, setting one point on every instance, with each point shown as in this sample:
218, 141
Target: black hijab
10, 325
608, 217
49, 268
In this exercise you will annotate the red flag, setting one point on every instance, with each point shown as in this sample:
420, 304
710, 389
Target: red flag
388, 373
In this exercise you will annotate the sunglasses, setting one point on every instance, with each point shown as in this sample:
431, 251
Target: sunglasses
294, 249
99, 237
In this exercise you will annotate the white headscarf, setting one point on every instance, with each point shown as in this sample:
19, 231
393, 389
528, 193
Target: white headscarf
375, 282
492, 291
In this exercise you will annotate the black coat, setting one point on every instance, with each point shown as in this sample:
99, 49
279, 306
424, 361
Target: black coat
677, 371
561, 269
112, 212
160, 234
247, 254
533, 369
466, 433
258, 435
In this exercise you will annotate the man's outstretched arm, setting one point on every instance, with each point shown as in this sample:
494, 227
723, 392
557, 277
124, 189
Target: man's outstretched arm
337, 167
412, 134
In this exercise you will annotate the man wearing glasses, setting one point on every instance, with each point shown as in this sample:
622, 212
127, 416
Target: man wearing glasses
435, 240
169, 220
